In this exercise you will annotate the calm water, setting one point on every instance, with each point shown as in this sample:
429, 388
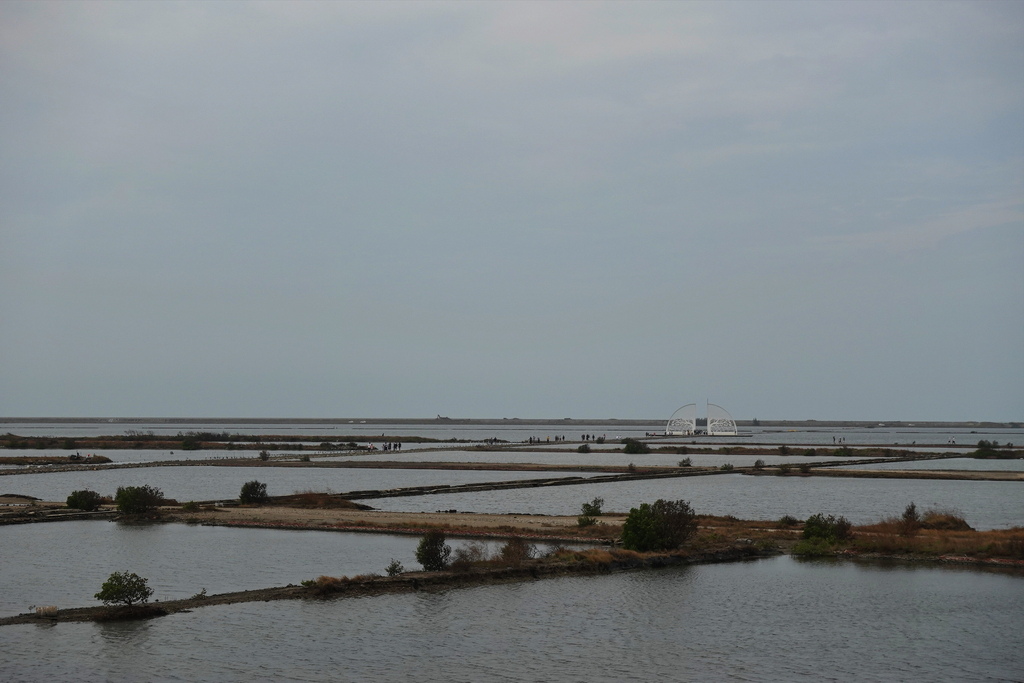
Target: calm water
771, 620
65, 563
219, 483
523, 430
968, 464
985, 504
595, 457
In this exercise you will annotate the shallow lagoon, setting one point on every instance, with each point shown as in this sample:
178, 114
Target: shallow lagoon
764, 621
197, 482
65, 563
984, 504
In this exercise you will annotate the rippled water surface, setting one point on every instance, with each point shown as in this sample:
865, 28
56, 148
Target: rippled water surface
771, 620
196, 482
984, 504
968, 464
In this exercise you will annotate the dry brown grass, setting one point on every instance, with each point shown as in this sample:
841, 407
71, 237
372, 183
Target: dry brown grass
884, 537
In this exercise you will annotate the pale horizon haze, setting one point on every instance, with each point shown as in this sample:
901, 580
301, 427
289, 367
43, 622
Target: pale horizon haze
795, 210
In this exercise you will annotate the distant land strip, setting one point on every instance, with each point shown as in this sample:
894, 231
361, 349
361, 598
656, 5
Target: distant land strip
867, 424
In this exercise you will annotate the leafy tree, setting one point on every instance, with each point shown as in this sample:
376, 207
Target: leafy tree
84, 500
910, 522
662, 525
395, 568
124, 588
137, 500
253, 492
432, 552
589, 512
634, 446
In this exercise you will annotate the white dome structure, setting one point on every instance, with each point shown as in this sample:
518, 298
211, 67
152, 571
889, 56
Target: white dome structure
684, 422
720, 422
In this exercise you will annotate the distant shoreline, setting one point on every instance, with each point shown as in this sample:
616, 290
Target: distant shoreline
864, 424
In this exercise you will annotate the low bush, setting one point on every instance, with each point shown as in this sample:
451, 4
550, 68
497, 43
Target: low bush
466, 556
727, 467
84, 500
394, 568
788, 521
190, 506
583, 448
831, 529
946, 520
686, 462
589, 512
783, 469
635, 447
759, 464
516, 551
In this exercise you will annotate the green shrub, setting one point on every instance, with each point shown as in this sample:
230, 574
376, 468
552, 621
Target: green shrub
759, 464
663, 525
137, 500
910, 522
190, 506
84, 500
805, 468
783, 469
583, 448
589, 512
253, 492
686, 462
634, 447
395, 568
264, 455
124, 588
783, 450
788, 520
432, 552
726, 467
831, 529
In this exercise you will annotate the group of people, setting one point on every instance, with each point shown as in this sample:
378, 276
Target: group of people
560, 439
388, 446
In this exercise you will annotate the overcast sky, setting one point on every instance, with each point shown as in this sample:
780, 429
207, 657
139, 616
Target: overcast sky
591, 210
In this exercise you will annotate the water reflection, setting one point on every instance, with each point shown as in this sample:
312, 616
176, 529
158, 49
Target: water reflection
773, 620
